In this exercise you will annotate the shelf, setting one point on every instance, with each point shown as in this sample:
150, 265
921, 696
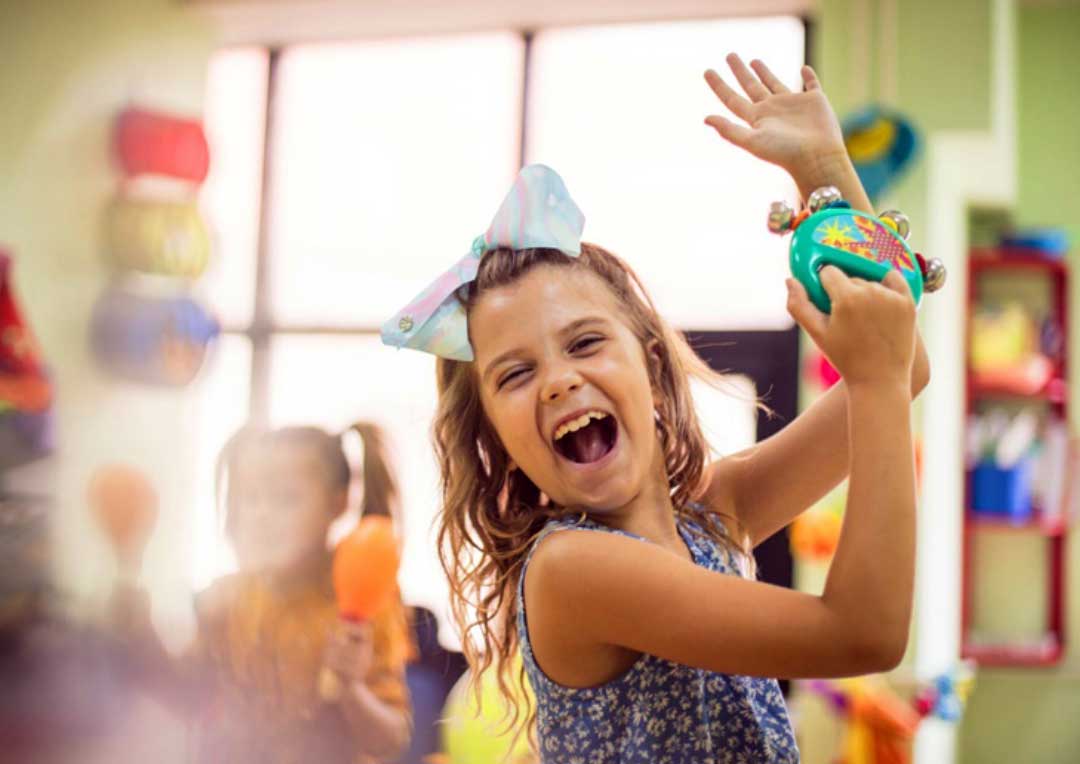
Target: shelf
1035, 524
1033, 382
1054, 391
1019, 259
1045, 652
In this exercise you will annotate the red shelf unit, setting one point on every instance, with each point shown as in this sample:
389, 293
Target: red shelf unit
1048, 650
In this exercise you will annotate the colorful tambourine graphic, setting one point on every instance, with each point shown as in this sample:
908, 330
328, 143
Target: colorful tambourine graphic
829, 232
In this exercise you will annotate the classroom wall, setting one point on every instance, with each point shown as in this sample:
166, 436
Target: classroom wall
69, 67
943, 75
1030, 715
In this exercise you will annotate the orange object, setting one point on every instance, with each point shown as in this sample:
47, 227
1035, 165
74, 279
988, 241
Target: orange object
126, 504
365, 569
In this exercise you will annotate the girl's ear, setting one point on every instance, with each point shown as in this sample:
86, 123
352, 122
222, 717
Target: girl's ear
654, 358
511, 466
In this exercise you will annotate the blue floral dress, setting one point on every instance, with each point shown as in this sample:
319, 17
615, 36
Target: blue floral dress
659, 712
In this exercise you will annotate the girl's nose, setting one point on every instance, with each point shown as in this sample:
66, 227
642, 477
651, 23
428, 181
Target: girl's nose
560, 383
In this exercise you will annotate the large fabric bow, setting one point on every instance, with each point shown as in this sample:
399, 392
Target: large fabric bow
538, 212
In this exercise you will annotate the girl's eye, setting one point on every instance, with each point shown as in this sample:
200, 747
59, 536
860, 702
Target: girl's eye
585, 343
514, 373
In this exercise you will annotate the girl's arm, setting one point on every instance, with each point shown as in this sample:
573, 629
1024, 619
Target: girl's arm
587, 592
767, 485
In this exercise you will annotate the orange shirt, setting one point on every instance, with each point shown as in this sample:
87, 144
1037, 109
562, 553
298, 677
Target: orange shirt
265, 650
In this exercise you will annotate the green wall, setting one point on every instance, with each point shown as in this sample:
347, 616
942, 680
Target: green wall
1031, 715
1016, 715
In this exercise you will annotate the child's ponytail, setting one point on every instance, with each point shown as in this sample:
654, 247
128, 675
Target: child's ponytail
380, 495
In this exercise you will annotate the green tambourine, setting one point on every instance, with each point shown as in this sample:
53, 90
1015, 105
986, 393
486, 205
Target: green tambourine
829, 232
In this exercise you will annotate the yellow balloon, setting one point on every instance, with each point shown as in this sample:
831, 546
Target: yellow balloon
469, 738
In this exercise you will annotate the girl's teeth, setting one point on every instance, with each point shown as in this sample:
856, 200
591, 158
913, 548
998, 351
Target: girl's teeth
576, 424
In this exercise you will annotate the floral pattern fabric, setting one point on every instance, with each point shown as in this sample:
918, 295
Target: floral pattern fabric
659, 711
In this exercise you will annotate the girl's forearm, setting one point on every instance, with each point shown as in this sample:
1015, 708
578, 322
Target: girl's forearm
833, 169
871, 580
378, 728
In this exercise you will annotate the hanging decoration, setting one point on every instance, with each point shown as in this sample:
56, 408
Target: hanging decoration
883, 144
152, 143
152, 340
26, 392
167, 238
161, 335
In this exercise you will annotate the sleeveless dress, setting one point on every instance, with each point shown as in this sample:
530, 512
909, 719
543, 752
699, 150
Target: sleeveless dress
658, 712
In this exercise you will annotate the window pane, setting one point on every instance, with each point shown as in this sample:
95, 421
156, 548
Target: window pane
619, 112
728, 414
234, 118
333, 381
389, 159
221, 408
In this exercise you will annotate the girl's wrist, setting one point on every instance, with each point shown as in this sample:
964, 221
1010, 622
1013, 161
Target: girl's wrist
829, 166
890, 389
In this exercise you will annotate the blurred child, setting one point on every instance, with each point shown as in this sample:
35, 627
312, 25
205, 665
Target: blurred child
250, 683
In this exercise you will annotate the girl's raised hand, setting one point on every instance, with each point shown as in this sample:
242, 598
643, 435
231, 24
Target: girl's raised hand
870, 334
797, 131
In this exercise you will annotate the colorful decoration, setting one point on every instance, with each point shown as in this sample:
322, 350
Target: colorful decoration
818, 369
146, 337
365, 579
861, 245
166, 238
815, 534
473, 734
125, 504
26, 392
880, 724
882, 145
148, 142
160, 341
537, 212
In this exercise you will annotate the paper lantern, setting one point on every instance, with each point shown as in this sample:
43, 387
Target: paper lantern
154, 340
165, 238
148, 142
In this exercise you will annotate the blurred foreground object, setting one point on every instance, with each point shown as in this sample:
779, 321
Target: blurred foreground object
365, 580
125, 505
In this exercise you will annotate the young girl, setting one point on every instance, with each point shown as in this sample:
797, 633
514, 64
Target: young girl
266, 632
578, 504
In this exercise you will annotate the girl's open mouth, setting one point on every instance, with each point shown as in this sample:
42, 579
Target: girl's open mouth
587, 439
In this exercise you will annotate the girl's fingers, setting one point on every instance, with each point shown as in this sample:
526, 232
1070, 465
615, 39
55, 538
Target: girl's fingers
803, 311
894, 281
738, 105
835, 282
810, 80
767, 77
738, 134
750, 84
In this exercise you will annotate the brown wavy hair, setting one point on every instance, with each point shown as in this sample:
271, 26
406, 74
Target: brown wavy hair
491, 515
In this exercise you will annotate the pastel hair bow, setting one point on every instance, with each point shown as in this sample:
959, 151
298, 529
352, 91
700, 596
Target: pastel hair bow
538, 212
